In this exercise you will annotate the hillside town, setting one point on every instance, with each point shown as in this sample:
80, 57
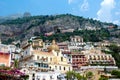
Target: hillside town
52, 60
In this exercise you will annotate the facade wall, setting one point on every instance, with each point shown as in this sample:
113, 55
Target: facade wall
4, 48
76, 39
27, 52
101, 59
60, 68
45, 76
78, 61
55, 60
37, 43
5, 59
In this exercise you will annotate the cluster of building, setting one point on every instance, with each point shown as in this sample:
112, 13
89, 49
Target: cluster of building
48, 60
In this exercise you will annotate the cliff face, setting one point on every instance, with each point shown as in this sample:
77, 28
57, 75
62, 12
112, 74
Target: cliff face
26, 27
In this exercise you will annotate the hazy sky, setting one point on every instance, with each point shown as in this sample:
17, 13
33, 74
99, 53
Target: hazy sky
104, 10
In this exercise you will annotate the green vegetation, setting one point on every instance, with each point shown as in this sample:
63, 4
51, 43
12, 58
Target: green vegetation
88, 35
4, 68
16, 63
103, 78
115, 52
89, 75
41, 19
46, 23
116, 73
10, 40
71, 75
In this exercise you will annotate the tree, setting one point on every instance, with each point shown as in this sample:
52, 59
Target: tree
116, 73
16, 63
18, 45
25, 77
36, 34
115, 50
89, 74
103, 78
79, 77
10, 40
71, 75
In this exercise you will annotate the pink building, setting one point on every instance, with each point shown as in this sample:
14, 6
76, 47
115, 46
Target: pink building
5, 56
5, 59
78, 60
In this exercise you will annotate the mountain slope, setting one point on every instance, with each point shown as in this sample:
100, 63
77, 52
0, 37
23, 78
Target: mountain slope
26, 27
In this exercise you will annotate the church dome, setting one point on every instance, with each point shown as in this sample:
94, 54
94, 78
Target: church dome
54, 46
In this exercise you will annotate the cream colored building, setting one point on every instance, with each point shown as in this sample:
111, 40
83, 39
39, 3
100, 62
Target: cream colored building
96, 57
54, 58
76, 39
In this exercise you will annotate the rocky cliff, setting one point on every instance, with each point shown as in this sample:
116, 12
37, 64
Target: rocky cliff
26, 27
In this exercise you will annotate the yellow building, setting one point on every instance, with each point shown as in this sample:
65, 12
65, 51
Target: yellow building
37, 43
54, 57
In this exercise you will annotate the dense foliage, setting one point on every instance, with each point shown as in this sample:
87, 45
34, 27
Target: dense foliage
43, 18
8, 73
89, 74
71, 75
88, 35
103, 78
115, 51
116, 73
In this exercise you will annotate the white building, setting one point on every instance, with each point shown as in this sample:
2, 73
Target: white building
76, 43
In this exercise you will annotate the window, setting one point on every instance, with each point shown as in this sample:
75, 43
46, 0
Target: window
61, 58
76, 59
37, 57
50, 67
26, 52
59, 67
64, 68
69, 60
51, 77
46, 58
50, 59
33, 75
57, 53
44, 78
55, 67
38, 77
69, 68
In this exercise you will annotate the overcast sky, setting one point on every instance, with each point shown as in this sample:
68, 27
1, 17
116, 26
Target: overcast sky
104, 10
